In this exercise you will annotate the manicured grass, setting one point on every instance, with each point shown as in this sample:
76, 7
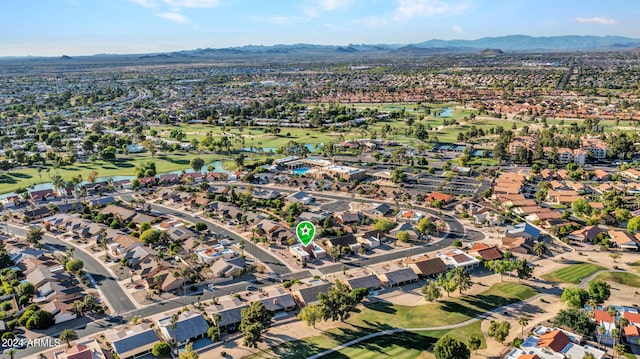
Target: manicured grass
573, 273
375, 317
627, 279
406, 345
446, 311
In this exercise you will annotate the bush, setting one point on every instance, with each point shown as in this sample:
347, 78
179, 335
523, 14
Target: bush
7, 335
223, 354
161, 349
516, 342
74, 265
457, 243
286, 284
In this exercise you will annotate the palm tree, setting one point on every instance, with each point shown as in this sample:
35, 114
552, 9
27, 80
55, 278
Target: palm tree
523, 321
600, 329
78, 307
619, 350
540, 248
217, 318
173, 325
67, 336
11, 352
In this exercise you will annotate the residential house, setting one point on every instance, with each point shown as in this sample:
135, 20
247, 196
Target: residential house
485, 252
133, 342
190, 326
624, 240
42, 195
522, 230
226, 267
307, 293
427, 267
363, 280
586, 234
228, 312
62, 312
300, 197
379, 209
347, 240
348, 217
275, 299
456, 258
521, 245
392, 275
87, 349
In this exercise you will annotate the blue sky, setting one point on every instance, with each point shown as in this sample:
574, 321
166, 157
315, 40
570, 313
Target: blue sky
83, 27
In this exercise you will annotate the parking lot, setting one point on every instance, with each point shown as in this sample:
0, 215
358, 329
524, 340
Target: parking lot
466, 186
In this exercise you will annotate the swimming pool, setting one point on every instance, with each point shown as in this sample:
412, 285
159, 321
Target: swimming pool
300, 171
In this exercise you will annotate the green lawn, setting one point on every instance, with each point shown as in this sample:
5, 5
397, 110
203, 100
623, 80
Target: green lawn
446, 311
573, 273
406, 345
375, 317
627, 279
123, 166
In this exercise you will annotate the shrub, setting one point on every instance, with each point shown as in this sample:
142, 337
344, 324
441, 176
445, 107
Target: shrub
161, 349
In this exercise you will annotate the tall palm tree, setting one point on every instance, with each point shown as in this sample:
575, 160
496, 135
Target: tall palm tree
523, 321
67, 336
173, 325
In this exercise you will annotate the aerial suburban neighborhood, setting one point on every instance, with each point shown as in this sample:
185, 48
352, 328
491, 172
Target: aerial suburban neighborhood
480, 203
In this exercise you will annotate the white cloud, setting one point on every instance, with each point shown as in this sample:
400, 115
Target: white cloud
314, 8
146, 3
408, 9
173, 16
458, 30
192, 3
596, 20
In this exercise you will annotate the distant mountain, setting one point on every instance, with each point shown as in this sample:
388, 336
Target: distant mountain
484, 46
524, 43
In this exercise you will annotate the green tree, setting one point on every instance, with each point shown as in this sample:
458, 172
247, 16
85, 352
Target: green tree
26, 289
189, 353
581, 206
599, 291
402, 236
67, 336
619, 350
426, 226
431, 291
74, 265
523, 269
255, 321
633, 225
540, 248
523, 321
448, 347
161, 349
474, 342
196, 164
575, 297
398, 176
311, 314
384, 225
499, 330
34, 235
150, 236
213, 334
461, 278
337, 303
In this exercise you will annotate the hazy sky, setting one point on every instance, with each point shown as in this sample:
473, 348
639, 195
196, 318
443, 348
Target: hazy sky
82, 27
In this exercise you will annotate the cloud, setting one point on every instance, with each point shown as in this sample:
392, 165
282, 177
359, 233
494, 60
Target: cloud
408, 9
596, 20
174, 16
314, 8
178, 4
458, 30
146, 3
192, 3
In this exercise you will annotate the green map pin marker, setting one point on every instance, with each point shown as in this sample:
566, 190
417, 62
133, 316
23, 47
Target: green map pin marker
305, 231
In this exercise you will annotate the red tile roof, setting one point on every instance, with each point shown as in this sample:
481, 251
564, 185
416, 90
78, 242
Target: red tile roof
601, 316
632, 317
556, 340
632, 331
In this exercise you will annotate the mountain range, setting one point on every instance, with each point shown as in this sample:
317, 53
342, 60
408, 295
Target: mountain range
486, 45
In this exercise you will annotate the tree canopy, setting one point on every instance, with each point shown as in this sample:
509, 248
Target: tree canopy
256, 321
448, 347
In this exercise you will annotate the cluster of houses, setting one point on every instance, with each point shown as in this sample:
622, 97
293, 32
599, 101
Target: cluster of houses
509, 191
589, 144
554, 343
55, 289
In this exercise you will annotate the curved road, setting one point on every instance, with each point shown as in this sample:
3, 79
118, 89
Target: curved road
584, 282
